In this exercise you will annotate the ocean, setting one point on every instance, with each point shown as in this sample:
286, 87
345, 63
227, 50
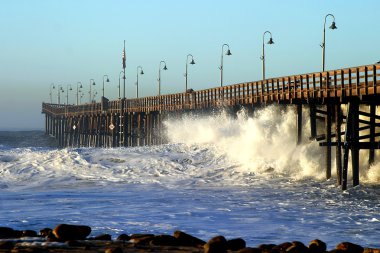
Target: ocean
218, 175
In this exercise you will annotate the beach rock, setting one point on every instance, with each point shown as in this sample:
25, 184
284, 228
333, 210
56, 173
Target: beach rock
250, 250
29, 233
45, 232
123, 237
369, 250
185, 239
136, 236
6, 245
217, 244
142, 240
317, 246
164, 240
297, 247
282, 247
266, 247
114, 250
103, 237
350, 247
6, 233
65, 232
236, 244
337, 251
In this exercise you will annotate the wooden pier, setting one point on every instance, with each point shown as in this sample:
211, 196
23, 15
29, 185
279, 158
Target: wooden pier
342, 105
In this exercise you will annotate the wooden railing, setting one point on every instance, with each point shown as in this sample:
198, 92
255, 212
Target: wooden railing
355, 81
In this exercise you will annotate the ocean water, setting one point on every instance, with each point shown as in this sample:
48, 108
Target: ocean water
237, 177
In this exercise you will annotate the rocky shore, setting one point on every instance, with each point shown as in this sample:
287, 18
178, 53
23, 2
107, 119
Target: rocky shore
74, 238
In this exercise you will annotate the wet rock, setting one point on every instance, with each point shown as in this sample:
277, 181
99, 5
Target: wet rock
236, 244
297, 247
164, 240
29, 233
136, 236
123, 237
142, 240
349, 247
65, 232
216, 244
369, 250
337, 251
74, 243
6, 233
185, 239
103, 237
6, 245
267, 247
282, 247
45, 232
114, 250
250, 250
317, 246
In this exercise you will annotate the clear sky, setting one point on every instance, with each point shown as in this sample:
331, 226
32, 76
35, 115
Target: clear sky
65, 42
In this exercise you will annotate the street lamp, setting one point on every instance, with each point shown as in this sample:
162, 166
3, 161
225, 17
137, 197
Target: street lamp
159, 76
91, 83
221, 64
108, 80
94, 95
60, 89
323, 45
119, 83
67, 93
192, 63
51, 87
270, 42
137, 79
78, 87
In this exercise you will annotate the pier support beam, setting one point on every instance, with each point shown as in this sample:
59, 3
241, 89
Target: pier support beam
372, 132
328, 140
338, 132
299, 124
355, 141
313, 120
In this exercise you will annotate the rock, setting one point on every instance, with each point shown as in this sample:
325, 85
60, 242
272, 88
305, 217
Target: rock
142, 240
6, 233
136, 236
6, 245
164, 240
185, 239
250, 250
297, 247
29, 233
283, 246
114, 250
45, 232
236, 244
369, 250
337, 251
103, 237
350, 247
216, 244
317, 246
65, 232
123, 237
267, 247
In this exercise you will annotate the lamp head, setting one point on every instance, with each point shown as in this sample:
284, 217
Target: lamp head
93, 83
228, 52
108, 80
141, 72
165, 68
270, 41
192, 62
81, 86
333, 26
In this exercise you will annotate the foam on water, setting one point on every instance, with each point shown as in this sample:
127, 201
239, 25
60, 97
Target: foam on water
218, 175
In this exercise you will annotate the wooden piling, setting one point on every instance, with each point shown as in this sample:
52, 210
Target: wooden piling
328, 140
338, 154
299, 124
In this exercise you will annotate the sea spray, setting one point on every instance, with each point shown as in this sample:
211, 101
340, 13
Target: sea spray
263, 143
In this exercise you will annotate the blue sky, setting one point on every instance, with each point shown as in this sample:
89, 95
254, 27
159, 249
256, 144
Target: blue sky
64, 42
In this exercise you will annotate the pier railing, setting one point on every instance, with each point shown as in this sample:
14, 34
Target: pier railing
342, 83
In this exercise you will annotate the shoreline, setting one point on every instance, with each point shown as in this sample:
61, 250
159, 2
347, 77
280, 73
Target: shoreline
76, 238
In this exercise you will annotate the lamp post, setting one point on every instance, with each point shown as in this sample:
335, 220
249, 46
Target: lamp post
270, 42
60, 89
159, 76
221, 64
119, 84
78, 87
192, 63
108, 80
323, 45
67, 93
91, 83
137, 79
94, 95
51, 87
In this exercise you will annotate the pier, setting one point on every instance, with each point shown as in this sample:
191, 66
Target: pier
342, 105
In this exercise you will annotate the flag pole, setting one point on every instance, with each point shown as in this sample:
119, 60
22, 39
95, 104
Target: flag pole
124, 56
